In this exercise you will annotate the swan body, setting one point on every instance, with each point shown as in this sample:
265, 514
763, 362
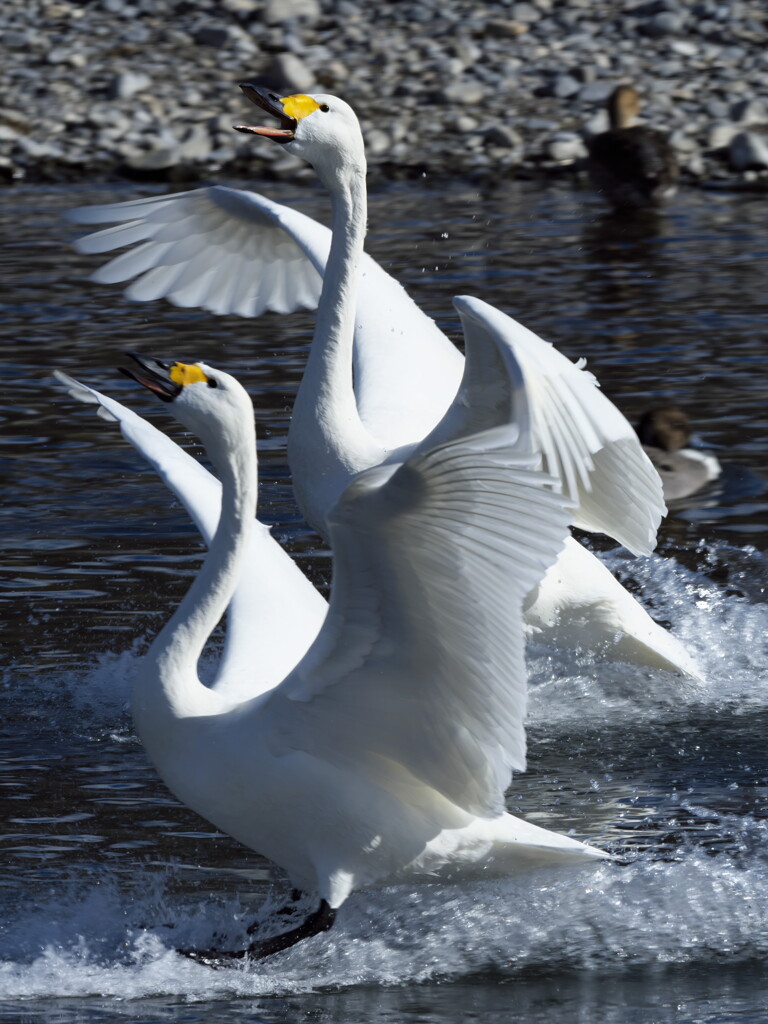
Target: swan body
665, 432
405, 370
388, 746
631, 165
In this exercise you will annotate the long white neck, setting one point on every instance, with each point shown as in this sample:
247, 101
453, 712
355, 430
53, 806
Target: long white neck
327, 442
169, 682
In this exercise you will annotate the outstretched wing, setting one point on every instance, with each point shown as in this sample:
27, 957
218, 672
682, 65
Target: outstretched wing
232, 251
275, 612
216, 248
418, 675
584, 439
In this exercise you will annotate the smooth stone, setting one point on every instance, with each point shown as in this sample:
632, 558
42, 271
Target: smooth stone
502, 135
685, 47
596, 92
196, 144
747, 151
721, 134
377, 142
565, 86
525, 12
463, 90
597, 123
214, 35
663, 24
18, 40
465, 124
565, 147
289, 72
749, 112
682, 142
506, 29
127, 84
276, 11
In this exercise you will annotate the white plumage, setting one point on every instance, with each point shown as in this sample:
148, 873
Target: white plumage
388, 746
231, 251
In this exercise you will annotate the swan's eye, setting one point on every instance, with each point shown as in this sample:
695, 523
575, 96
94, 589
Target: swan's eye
212, 383
324, 107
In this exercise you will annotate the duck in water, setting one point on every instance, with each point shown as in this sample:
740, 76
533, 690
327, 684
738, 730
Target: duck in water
631, 165
664, 433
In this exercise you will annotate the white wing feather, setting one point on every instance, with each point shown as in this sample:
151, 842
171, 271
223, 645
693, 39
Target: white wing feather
275, 612
432, 561
236, 252
216, 248
586, 442
419, 671
231, 251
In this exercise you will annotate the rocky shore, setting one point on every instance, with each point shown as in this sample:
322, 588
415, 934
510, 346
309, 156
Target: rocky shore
148, 88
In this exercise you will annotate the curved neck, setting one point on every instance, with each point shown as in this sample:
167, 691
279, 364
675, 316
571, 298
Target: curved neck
170, 675
327, 440
328, 376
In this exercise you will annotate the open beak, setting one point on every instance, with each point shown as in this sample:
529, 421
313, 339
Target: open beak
273, 105
154, 375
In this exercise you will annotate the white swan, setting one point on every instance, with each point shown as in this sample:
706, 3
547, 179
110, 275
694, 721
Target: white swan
275, 612
405, 371
388, 747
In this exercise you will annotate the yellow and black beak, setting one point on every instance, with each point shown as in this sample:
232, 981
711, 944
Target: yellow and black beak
288, 110
165, 380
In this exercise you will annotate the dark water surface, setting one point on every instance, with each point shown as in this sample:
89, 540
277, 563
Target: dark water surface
103, 874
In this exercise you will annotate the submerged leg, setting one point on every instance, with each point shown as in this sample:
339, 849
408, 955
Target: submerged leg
319, 921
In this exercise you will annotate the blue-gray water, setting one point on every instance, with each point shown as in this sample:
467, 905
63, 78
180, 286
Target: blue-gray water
104, 874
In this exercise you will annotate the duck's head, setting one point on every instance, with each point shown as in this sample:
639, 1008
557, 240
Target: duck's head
205, 400
321, 129
665, 427
623, 106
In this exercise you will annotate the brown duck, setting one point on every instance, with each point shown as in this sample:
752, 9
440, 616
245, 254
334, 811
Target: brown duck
664, 433
631, 165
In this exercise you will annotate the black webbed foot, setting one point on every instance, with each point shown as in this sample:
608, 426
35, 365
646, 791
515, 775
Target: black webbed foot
214, 958
319, 921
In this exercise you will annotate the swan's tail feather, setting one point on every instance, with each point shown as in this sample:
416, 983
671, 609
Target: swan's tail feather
501, 846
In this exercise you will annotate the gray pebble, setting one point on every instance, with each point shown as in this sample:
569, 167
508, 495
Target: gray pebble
720, 134
663, 24
565, 147
288, 73
596, 92
524, 12
417, 74
502, 135
463, 90
276, 11
749, 112
747, 151
565, 86
214, 34
126, 84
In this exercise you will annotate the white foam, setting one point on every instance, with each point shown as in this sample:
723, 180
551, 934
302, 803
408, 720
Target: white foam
693, 911
723, 630
117, 937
